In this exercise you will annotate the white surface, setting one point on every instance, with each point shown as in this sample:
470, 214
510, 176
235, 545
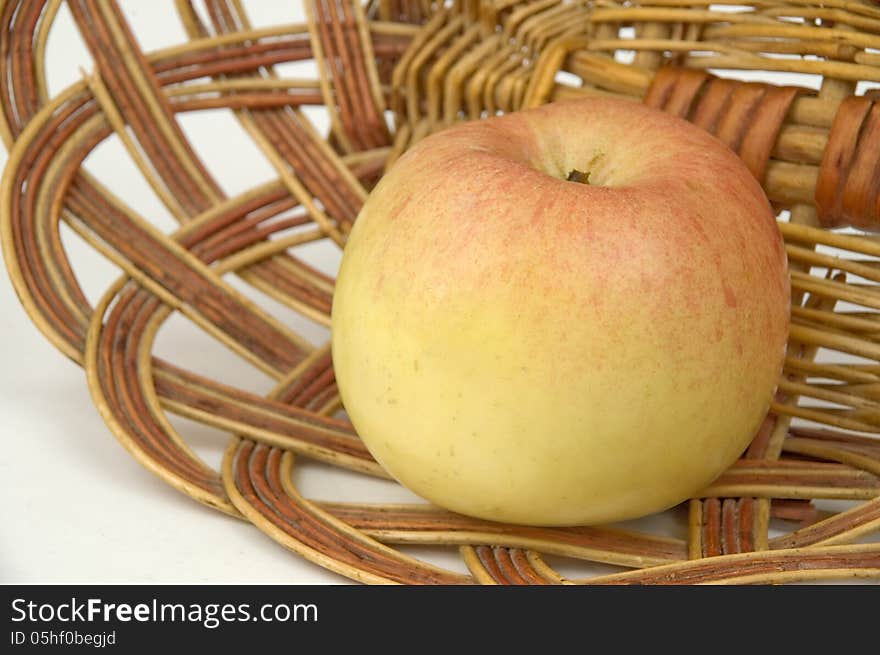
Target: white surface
77, 507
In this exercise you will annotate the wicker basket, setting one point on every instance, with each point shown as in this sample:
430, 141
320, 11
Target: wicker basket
815, 151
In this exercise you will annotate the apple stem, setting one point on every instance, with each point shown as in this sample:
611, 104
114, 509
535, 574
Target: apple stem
575, 175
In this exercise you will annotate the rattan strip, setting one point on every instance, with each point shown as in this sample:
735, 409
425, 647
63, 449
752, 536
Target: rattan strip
349, 79
50, 131
747, 117
133, 390
848, 192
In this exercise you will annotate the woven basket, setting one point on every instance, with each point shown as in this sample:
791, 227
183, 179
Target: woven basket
816, 152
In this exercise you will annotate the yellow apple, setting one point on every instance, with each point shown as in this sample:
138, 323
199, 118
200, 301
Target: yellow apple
573, 314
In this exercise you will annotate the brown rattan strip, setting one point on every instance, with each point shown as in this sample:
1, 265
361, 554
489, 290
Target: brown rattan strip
674, 89
286, 425
746, 514
504, 566
293, 139
852, 523
802, 511
25, 21
746, 116
711, 527
188, 181
201, 181
527, 572
400, 523
848, 190
790, 565
345, 65
191, 282
256, 474
120, 340
69, 325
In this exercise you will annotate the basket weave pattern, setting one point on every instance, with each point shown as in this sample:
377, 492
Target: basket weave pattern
816, 153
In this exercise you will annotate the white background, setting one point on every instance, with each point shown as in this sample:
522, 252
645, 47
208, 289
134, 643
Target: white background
77, 507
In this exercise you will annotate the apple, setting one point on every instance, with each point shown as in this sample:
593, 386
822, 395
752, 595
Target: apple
574, 314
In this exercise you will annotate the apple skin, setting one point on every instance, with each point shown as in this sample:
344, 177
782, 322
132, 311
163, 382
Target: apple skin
521, 348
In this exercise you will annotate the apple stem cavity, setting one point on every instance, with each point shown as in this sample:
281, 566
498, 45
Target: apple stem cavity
574, 175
